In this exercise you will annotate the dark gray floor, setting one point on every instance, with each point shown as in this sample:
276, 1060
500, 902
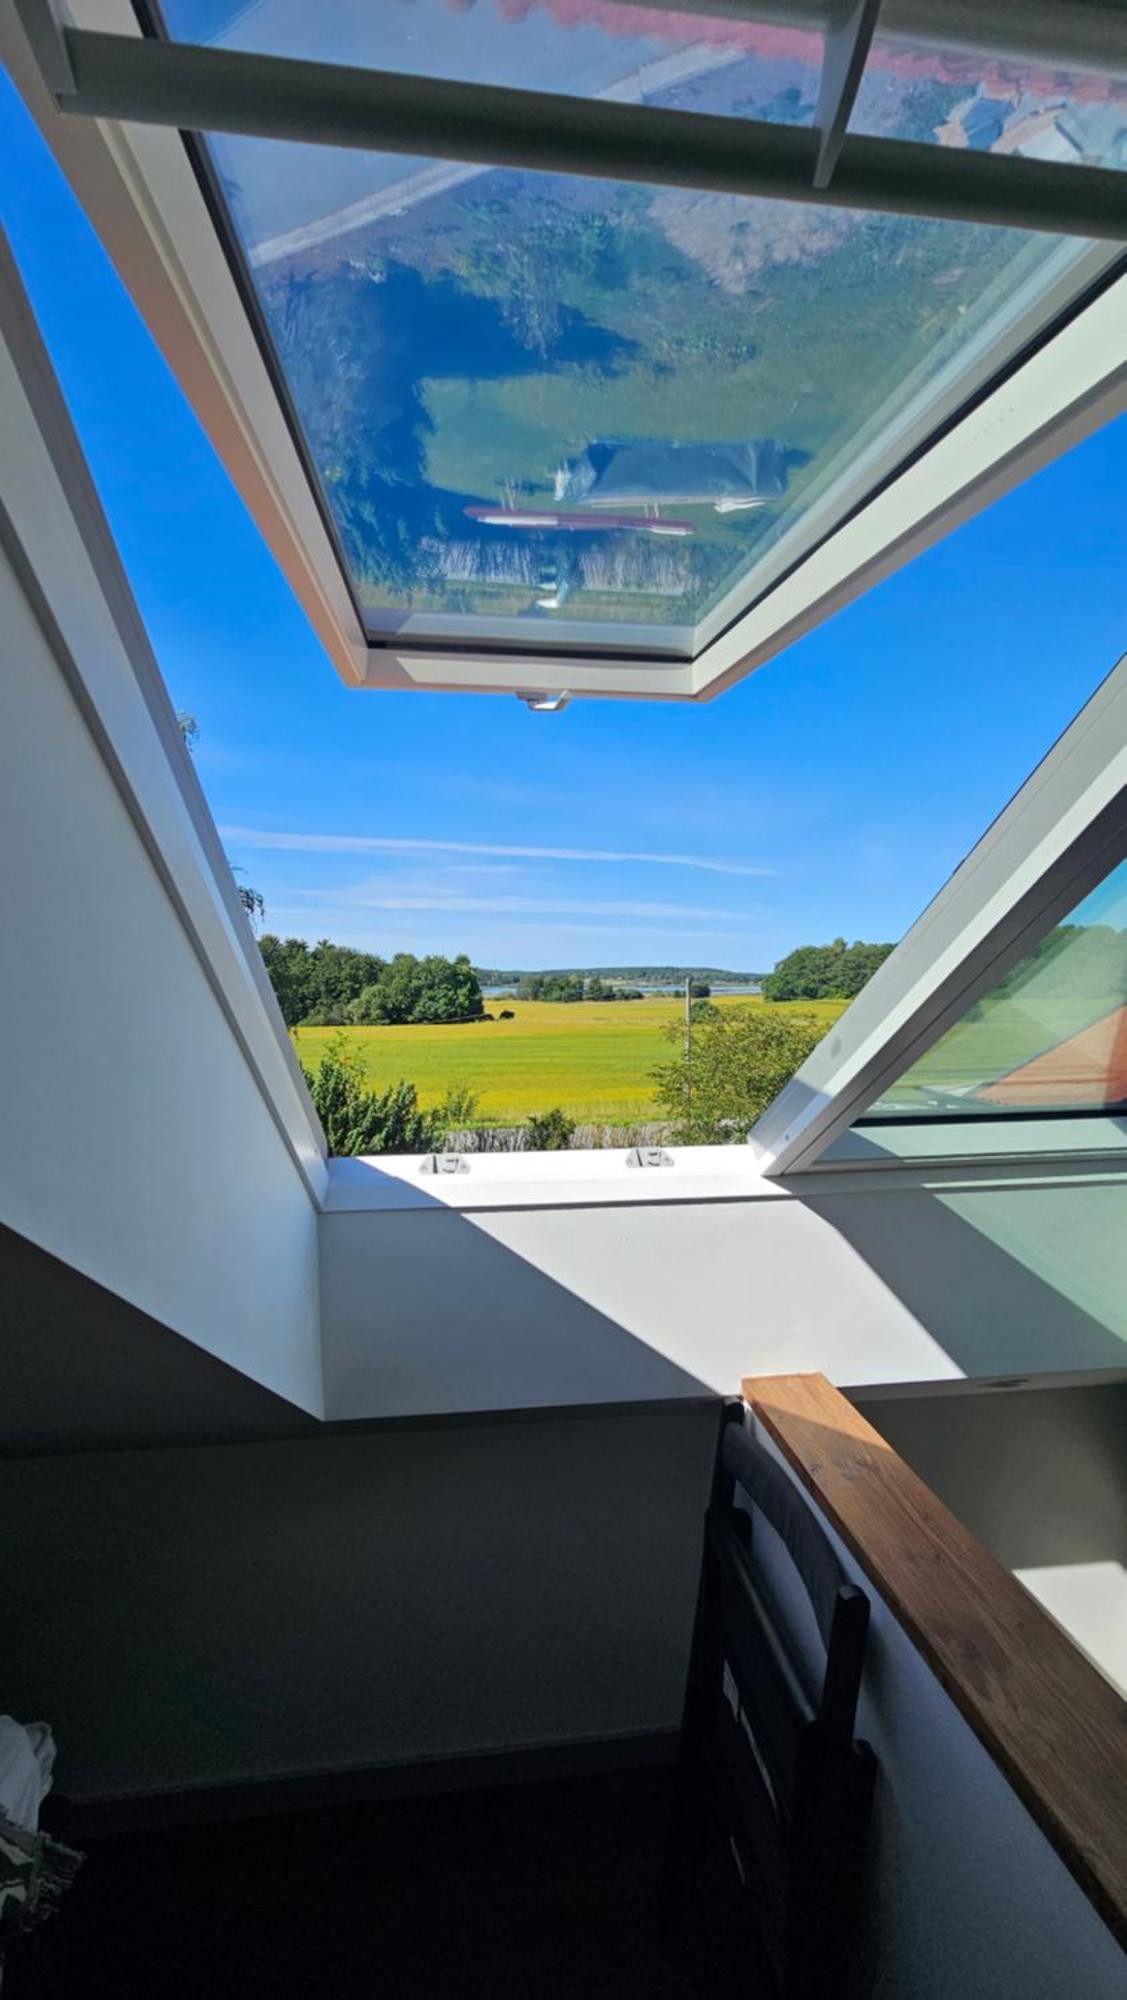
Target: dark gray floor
545, 1891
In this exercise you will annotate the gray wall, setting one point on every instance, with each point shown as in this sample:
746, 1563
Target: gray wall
83, 1371
1040, 1476
234, 1612
206, 1615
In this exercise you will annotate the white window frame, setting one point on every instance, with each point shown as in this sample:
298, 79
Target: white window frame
1057, 839
56, 536
142, 195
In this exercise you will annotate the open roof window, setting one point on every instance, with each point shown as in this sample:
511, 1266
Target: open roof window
613, 345
1050, 1037
551, 409
1003, 1011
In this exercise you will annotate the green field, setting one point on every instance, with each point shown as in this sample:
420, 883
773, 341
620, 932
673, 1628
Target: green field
593, 1060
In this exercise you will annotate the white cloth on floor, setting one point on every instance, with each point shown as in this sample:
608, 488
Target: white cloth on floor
27, 1756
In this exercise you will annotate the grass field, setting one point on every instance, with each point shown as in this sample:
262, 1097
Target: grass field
593, 1060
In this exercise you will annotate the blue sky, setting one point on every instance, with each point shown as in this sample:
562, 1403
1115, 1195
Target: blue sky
830, 793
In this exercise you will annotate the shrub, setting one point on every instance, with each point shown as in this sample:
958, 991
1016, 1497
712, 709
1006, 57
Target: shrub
359, 1120
458, 1107
739, 1062
550, 1132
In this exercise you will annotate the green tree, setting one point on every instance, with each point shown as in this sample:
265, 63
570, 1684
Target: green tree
413, 989
360, 1120
331, 985
287, 965
738, 1063
550, 986
834, 971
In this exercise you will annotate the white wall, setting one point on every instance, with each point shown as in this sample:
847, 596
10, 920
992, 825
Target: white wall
1040, 1477
134, 1141
969, 1900
228, 1612
871, 1281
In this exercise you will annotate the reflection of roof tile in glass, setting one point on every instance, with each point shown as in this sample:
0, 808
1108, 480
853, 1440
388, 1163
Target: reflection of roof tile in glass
647, 471
1089, 1068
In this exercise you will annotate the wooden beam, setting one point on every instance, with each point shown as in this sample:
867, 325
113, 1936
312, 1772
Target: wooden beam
1053, 1725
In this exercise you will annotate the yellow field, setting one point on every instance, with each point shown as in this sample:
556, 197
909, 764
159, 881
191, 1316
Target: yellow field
593, 1060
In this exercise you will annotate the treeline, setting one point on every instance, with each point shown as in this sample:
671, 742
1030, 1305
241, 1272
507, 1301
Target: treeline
332, 985
572, 986
631, 975
834, 971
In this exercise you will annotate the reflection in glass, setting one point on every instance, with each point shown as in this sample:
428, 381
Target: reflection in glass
586, 48
1051, 1037
554, 409
992, 104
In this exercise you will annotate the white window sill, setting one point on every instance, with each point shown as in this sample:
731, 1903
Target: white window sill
547, 1180
602, 1179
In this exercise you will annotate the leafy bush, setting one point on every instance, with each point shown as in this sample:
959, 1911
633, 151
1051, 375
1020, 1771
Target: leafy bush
739, 1062
359, 1120
550, 1132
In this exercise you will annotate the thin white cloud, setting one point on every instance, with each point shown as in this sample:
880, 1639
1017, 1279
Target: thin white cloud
361, 843
379, 896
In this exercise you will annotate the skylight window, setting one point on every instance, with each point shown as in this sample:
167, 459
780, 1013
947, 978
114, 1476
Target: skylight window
549, 408
556, 410
1052, 1037
592, 345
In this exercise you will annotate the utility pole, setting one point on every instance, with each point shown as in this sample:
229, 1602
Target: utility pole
688, 1044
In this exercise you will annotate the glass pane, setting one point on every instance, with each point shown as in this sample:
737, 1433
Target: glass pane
1051, 1037
579, 410
549, 410
585, 48
992, 104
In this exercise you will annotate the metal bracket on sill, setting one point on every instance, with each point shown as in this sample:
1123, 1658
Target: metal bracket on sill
445, 1163
649, 1156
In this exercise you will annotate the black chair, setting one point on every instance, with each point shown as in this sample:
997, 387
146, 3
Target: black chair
768, 1758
